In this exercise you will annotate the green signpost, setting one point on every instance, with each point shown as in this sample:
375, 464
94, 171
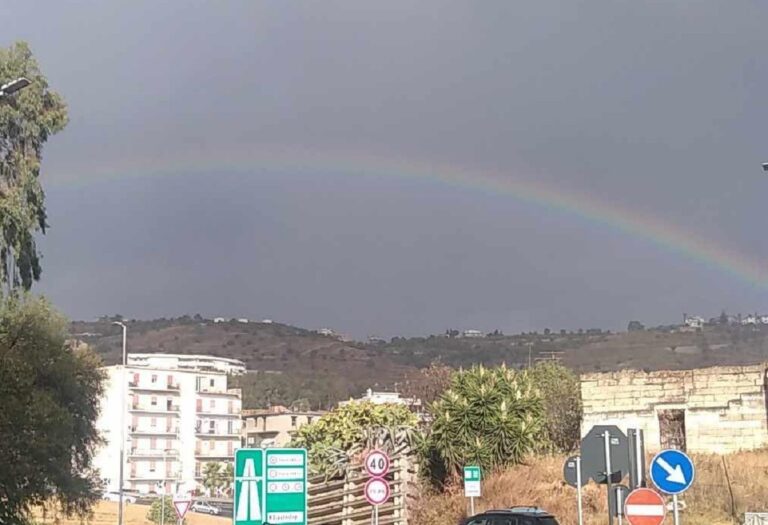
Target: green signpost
472, 485
270, 486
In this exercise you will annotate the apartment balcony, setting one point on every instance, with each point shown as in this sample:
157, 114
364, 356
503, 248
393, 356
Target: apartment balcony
159, 431
157, 409
154, 387
152, 453
213, 434
152, 476
225, 413
213, 454
212, 391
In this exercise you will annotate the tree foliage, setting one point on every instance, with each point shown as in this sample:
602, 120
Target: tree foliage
561, 395
427, 384
213, 477
162, 511
49, 393
489, 417
343, 433
27, 119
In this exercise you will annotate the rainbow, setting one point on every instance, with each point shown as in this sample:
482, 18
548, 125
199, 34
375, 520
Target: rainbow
630, 222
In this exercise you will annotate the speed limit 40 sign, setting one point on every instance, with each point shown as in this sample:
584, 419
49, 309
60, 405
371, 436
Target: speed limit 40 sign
377, 464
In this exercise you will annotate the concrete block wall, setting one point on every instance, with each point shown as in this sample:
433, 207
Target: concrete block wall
725, 407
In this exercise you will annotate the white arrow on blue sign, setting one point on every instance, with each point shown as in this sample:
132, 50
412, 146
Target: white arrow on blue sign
672, 471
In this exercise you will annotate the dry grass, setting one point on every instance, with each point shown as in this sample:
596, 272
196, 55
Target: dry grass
540, 483
105, 513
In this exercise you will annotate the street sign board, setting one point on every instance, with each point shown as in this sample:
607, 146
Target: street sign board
248, 505
377, 463
644, 507
377, 491
472, 487
593, 454
182, 506
286, 494
570, 474
672, 471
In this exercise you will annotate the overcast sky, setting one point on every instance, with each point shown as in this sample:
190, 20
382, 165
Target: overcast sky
160, 205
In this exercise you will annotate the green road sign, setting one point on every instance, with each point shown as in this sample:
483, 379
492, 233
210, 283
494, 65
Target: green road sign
249, 487
286, 486
472, 482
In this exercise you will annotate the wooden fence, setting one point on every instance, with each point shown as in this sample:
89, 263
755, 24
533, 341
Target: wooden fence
342, 501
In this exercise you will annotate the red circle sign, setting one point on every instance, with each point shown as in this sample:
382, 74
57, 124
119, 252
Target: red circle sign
644, 507
376, 463
377, 491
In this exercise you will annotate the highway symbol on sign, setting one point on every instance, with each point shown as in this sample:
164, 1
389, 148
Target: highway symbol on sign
672, 471
181, 506
376, 463
644, 507
377, 491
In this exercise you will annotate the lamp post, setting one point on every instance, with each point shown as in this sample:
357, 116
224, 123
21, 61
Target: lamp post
13, 86
123, 387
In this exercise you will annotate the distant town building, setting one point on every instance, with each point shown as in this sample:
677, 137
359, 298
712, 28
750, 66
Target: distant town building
243, 320
266, 321
708, 410
327, 332
693, 321
177, 420
472, 333
219, 320
374, 339
187, 362
274, 426
383, 398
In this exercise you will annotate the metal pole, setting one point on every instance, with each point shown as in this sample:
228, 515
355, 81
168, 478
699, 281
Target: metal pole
375, 515
639, 459
471, 505
619, 510
578, 488
123, 387
607, 445
676, 514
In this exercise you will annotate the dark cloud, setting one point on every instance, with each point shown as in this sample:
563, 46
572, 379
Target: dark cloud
656, 107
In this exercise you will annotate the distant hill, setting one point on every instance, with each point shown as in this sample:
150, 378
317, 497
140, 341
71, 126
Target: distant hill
294, 364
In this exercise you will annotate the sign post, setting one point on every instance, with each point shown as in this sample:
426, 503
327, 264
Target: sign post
572, 473
248, 504
472, 487
377, 489
286, 488
644, 507
672, 472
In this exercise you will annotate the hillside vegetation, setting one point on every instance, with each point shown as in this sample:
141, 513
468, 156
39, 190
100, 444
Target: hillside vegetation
297, 364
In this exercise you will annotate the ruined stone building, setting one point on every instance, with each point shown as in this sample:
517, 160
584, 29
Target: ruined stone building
717, 409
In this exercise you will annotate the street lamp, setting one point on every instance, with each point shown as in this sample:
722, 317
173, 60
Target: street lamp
123, 387
13, 86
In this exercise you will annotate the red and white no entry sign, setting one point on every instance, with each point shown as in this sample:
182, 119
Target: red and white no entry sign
644, 507
376, 463
377, 491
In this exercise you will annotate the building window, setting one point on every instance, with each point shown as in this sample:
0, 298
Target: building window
212, 426
154, 378
309, 419
153, 443
212, 382
293, 421
212, 404
153, 401
198, 384
211, 444
152, 466
230, 427
153, 422
251, 440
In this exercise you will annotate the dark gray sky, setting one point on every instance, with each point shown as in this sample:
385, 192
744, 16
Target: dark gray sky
655, 107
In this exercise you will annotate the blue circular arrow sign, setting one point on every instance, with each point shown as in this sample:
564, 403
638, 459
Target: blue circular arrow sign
672, 471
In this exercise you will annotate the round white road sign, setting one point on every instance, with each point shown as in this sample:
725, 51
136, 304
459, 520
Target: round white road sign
377, 491
376, 463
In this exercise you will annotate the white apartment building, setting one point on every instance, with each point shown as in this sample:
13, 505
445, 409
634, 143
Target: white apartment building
383, 398
177, 420
188, 362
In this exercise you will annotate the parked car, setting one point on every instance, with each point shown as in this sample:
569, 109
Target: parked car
513, 516
115, 496
205, 508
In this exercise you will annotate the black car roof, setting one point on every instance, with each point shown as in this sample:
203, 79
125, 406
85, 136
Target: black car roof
518, 511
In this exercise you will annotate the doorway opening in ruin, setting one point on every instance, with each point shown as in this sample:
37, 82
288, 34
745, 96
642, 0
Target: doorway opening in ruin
672, 428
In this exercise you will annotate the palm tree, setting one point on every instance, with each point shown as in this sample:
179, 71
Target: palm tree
228, 478
212, 477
